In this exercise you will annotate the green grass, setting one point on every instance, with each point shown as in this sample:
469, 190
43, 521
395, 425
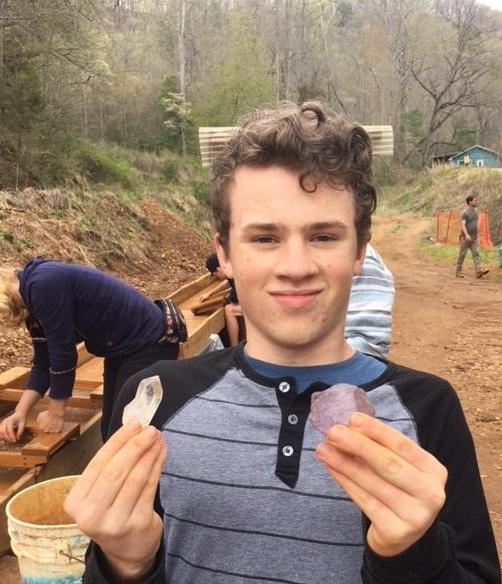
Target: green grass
19, 243
106, 165
450, 252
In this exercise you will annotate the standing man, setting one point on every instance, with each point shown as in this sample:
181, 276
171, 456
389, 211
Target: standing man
469, 238
63, 304
251, 491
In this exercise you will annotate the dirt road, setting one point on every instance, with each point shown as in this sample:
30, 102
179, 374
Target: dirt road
449, 327
453, 328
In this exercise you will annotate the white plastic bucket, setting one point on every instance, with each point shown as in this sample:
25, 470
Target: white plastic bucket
49, 547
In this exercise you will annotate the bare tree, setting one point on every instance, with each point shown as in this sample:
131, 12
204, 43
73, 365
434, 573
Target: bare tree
182, 67
458, 78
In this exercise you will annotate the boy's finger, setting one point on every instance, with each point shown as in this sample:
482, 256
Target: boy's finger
147, 497
135, 453
395, 441
135, 484
86, 481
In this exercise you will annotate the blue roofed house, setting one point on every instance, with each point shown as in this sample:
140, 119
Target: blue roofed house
476, 156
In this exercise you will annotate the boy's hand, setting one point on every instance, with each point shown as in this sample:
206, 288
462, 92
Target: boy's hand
396, 483
112, 502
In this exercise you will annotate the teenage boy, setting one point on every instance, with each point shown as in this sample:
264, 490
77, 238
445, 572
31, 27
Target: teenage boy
251, 491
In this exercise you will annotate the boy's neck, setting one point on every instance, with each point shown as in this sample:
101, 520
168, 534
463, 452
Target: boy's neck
321, 354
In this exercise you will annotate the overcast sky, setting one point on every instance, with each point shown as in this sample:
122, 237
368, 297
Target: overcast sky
492, 3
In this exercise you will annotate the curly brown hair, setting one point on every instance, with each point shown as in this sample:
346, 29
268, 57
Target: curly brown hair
309, 138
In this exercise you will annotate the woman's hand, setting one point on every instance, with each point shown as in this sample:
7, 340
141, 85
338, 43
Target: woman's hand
48, 421
12, 427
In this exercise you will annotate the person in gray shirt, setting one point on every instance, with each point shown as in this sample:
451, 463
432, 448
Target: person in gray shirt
469, 238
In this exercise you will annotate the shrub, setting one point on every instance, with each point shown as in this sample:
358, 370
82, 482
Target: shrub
171, 170
105, 165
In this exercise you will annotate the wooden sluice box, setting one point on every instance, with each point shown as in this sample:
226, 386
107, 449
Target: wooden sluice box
38, 456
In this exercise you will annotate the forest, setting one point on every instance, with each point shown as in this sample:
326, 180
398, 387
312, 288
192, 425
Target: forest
82, 78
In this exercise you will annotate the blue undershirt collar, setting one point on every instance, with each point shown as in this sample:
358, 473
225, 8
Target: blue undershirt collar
356, 370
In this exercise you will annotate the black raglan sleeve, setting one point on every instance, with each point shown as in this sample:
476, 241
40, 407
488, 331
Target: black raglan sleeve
459, 548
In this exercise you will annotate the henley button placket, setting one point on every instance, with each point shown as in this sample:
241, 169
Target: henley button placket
294, 412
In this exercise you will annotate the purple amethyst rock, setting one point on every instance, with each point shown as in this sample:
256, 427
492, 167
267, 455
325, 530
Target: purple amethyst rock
336, 404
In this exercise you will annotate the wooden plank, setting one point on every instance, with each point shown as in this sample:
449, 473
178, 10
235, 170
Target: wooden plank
19, 460
14, 377
76, 401
97, 395
12, 480
192, 288
44, 444
11, 395
209, 305
86, 384
199, 336
17, 377
83, 355
213, 139
74, 456
92, 371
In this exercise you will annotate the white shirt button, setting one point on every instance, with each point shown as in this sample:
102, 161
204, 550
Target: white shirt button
293, 419
284, 387
288, 450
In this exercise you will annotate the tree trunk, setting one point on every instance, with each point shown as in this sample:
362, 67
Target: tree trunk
182, 68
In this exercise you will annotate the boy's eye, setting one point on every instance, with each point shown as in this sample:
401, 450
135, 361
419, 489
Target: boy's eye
264, 239
324, 237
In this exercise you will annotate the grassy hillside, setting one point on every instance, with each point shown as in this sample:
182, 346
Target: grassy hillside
118, 209
442, 188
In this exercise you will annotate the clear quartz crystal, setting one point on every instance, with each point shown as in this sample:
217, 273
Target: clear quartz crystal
145, 403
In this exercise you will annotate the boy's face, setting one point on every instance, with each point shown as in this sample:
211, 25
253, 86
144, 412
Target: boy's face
292, 255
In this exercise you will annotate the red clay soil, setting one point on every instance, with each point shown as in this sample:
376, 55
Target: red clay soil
442, 324
451, 327
171, 256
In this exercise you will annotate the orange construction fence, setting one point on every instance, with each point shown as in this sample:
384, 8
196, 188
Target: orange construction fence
448, 228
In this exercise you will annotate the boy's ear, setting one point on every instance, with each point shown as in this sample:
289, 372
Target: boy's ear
223, 256
361, 254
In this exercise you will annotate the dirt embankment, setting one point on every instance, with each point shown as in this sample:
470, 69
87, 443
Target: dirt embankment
143, 244
451, 327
